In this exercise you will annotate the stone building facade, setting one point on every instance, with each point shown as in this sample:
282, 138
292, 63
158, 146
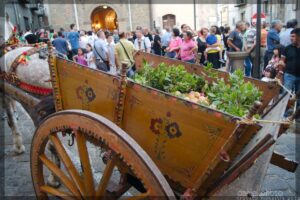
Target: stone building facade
27, 14
62, 15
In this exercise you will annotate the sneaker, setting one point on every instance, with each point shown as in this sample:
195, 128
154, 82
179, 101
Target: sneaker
222, 61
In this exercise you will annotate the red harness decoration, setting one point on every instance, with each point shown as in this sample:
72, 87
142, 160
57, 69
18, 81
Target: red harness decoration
34, 89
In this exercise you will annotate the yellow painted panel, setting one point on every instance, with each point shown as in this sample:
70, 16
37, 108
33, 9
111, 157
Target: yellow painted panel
182, 138
87, 89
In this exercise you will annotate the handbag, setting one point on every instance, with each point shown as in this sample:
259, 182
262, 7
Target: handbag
104, 61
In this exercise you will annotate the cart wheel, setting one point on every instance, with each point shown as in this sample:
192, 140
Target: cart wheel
88, 130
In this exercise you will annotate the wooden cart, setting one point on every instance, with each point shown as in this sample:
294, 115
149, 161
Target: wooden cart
162, 145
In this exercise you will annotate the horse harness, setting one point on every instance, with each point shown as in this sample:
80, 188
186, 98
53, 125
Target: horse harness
13, 78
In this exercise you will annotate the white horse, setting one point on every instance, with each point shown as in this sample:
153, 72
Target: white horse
35, 72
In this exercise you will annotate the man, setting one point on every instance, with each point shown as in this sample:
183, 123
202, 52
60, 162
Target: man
73, 37
147, 34
60, 45
249, 45
273, 39
116, 36
124, 52
142, 43
83, 41
285, 35
184, 28
165, 40
291, 57
101, 53
235, 39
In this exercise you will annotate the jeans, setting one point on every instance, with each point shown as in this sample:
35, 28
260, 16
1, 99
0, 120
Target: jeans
292, 83
171, 54
130, 73
248, 66
190, 61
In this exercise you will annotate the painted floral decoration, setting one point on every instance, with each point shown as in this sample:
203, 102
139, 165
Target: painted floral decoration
173, 130
156, 125
89, 92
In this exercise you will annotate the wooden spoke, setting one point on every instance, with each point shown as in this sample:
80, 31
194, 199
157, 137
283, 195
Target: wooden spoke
67, 162
55, 192
106, 176
85, 164
60, 174
123, 153
140, 196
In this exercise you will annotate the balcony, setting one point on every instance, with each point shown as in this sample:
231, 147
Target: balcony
240, 3
40, 12
24, 1
33, 6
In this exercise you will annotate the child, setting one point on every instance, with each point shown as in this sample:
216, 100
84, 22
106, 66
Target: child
80, 58
212, 39
90, 56
111, 53
275, 60
269, 74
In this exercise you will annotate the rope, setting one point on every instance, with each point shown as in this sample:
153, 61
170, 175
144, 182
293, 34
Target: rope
254, 121
278, 81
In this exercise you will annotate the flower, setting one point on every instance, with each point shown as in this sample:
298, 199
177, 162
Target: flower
24, 53
173, 130
156, 125
89, 93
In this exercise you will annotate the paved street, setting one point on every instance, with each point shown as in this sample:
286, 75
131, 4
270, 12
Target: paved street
277, 181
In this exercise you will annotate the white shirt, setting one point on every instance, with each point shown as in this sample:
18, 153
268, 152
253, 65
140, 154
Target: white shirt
144, 43
285, 39
111, 52
83, 42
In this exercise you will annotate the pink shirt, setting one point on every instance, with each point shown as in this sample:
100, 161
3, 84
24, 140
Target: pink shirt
175, 42
185, 50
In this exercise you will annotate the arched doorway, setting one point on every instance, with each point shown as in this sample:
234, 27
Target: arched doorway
104, 17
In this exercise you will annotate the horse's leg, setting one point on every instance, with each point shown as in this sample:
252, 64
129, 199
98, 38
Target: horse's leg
14, 108
12, 122
52, 179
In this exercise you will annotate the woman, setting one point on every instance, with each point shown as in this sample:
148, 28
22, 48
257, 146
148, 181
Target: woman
157, 43
188, 48
174, 45
213, 56
201, 43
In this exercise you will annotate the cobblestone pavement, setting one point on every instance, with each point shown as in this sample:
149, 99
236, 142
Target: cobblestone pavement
277, 181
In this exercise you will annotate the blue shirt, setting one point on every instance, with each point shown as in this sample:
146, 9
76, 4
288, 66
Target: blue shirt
60, 45
211, 39
273, 39
166, 38
73, 38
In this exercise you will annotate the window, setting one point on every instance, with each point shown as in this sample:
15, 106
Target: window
266, 7
26, 23
169, 20
243, 16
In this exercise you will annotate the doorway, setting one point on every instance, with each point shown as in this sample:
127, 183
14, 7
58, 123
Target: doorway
105, 18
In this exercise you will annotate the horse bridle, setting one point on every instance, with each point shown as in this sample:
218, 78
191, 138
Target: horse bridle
13, 78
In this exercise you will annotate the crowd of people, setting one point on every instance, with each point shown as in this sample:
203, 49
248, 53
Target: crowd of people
106, 50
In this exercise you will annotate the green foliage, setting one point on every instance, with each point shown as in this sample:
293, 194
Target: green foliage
235, 97
209, 72
169, 78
